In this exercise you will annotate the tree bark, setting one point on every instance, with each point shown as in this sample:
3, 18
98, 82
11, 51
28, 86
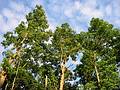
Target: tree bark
2, 78
11, 61
63, 62
46, 81
97, 74
96, 70
62, 76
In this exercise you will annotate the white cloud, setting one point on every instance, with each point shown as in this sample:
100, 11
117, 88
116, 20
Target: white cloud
2, 24
17, 7
36, 2
88, 9
116, 8
91, 4
91, 12
108, 10
1, 49
77, 5
9, 24
1, 18
68, 10
69, 13
116, 21
12, 16
52, 24
56, 8
7, 13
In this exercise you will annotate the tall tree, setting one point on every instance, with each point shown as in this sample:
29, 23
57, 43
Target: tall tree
98, 69
64, 45
22, 63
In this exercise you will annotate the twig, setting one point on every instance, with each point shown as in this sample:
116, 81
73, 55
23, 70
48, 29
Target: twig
13, 84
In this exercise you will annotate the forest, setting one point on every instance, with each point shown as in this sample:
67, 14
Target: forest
37, 58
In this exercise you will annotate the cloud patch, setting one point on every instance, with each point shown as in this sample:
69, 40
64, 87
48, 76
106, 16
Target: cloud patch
12, 16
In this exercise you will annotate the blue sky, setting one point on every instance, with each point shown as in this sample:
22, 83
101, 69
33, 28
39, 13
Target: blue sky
77, 13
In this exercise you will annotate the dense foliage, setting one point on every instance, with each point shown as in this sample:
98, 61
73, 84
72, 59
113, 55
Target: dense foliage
36, 58
98, 69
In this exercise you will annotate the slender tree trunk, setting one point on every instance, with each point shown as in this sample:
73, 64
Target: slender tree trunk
97, 74
2, 78
6, 86
62, 76
63, 62
96, 70
13, 84
11, 61
46, 82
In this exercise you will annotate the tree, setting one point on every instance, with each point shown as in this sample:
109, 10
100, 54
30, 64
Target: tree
32, 63
64, 45
22, 63
37, 57
98, 69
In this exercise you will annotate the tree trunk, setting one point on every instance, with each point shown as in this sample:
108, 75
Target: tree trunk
63, 62
2, 78
46, 81
97, 74
11, 61
96, 70
62, 76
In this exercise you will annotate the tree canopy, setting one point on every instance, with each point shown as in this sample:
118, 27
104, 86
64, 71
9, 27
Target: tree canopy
36, 58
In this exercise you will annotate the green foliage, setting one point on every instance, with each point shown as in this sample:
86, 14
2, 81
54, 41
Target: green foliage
31, 59
98, 41
27, 47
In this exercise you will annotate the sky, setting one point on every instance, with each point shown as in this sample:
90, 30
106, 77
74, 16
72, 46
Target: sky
77, 13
